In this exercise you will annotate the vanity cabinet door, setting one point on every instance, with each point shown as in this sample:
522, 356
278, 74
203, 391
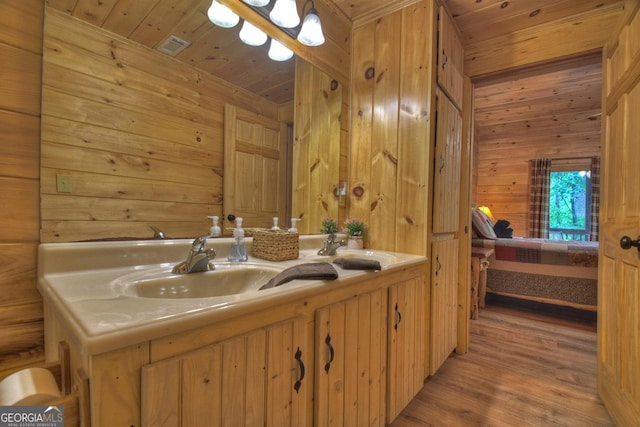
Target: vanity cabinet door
351, 350
252, 380
444, 301
407, 332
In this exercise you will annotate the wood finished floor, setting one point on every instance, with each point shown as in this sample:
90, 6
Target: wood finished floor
523, 369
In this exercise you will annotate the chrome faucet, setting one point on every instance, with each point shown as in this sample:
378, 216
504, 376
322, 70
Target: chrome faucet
331, 246
198, 259
157, 233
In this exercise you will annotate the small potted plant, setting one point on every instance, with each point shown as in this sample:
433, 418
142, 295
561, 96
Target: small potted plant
355, 229
329, 226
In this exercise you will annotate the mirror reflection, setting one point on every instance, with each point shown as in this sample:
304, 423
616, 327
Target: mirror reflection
276, 172
134, 139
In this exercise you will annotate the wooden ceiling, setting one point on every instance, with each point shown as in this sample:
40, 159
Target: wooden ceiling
567, 92
213, 49
480, 20
220, 52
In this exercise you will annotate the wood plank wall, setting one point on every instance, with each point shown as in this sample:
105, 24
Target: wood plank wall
391, 127
139, 134
21, 327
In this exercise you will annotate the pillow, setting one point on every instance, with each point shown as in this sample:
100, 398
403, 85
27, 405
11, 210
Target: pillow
482, 225
502, 229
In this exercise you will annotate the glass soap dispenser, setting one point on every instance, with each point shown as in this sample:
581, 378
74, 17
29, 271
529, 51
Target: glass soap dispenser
238, 251
215, 231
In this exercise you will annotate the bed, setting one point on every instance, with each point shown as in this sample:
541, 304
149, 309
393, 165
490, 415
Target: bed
549, 271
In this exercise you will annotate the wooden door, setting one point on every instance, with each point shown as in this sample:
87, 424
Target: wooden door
252, 380
407, 322
444, 301
619, 269
254, 168
446, 180
351, 362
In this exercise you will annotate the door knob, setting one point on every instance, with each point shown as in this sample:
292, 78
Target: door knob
626, 243
231, 217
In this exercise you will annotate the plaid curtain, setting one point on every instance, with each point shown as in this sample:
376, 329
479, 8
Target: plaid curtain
540, 175
595, 198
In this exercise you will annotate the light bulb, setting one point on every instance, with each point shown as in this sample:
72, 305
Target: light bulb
279, 52
311, 31
285, 14
257, 3
252, 35
222, 16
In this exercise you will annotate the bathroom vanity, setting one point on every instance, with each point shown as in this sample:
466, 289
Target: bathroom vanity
308, 352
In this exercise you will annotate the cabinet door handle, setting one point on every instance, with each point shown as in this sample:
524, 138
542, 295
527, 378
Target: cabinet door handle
438, 266
398, 318
445, 59
298, 357
442, 163
327, 341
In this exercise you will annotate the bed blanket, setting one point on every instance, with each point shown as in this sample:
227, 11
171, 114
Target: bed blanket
563, 272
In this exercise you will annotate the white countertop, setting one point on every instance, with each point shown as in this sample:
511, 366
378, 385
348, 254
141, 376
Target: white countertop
82, 282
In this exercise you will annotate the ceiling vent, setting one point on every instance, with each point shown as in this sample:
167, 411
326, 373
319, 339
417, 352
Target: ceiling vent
173, 45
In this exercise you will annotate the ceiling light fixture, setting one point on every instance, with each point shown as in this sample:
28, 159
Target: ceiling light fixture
285, 14
279, 52
311, 31
222, 16
252, 35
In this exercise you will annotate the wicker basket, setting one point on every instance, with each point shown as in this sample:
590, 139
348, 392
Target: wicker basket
274, 245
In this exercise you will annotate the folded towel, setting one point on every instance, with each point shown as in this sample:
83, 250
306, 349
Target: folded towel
312, 270
358, 264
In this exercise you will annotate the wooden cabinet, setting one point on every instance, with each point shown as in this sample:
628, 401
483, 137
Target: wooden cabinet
333, 355
369, 348
445, 227
254, 379
450, 58
368, 364
351, 360
407, 328
444, 300
446, 175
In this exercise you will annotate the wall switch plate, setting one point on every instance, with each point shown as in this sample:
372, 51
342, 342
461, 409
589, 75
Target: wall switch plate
63, 183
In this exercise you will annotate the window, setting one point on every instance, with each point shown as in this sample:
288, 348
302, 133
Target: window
570, 205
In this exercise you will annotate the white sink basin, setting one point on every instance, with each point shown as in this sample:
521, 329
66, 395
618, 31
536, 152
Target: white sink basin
227, 279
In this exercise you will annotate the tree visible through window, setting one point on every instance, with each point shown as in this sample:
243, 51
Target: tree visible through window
570, 205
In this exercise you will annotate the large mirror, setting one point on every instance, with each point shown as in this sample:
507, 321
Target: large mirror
132, 139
